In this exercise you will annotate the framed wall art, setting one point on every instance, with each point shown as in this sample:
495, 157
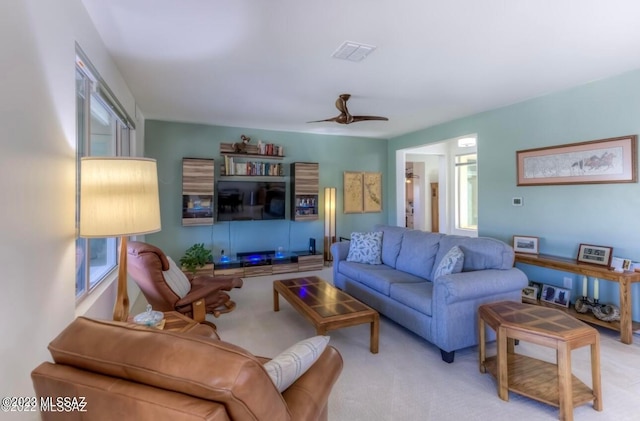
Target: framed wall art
525, 244
353, 202
372, 194
556, 295
595, 255
611, 160
530, 294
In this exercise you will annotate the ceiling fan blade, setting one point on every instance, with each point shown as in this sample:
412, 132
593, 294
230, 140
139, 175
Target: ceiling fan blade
326, 119
357, 118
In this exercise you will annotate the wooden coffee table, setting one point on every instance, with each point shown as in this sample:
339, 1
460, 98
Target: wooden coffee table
546, 382
326, 307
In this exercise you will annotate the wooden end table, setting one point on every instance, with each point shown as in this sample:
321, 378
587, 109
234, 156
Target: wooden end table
177, 322
326, 307
552, 384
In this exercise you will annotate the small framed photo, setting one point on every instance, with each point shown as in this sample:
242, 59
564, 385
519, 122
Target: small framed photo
530, 294
556, 295
525, 244
595, 255
538, 286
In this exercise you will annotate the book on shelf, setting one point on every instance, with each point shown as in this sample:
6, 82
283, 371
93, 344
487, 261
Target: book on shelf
231, 167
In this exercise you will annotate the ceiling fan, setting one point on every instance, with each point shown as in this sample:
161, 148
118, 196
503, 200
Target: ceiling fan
345, 117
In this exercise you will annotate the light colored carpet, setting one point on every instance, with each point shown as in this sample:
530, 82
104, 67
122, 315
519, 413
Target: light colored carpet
407, 380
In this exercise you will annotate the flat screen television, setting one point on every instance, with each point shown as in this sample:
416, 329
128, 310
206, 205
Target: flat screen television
251, 200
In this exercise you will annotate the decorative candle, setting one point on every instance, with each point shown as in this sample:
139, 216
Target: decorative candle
584, 286
595, 289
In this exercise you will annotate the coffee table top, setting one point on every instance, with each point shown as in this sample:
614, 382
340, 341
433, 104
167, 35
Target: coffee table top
544, 321
321, 299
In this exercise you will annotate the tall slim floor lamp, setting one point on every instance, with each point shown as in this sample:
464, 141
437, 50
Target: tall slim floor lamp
329, 221
119, 198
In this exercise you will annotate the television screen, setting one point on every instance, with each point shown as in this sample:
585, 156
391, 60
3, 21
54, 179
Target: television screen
251, 200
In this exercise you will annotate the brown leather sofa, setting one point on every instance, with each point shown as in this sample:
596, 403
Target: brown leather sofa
130, 372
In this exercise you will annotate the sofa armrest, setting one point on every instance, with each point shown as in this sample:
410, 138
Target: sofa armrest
340, 250
307, 397
477, 284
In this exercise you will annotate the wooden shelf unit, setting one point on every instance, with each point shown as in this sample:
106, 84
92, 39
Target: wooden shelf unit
305, 186
625, 326
306, 262
197, 191
250, 164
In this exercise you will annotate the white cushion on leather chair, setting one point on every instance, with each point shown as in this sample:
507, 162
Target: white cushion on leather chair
176, 279
292, 363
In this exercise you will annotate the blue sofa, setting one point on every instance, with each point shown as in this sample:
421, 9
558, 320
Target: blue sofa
444, 311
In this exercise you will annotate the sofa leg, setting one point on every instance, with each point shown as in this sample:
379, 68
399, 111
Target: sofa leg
447, 357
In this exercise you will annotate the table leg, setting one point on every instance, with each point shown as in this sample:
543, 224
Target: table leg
626, 329
276, 301
481, 344
375, 334
565, 392
502, 371
595, 374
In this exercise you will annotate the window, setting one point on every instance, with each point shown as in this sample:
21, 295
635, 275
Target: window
466, 191
101, 130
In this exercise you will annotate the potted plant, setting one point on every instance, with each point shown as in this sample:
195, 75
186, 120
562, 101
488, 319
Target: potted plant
195, 257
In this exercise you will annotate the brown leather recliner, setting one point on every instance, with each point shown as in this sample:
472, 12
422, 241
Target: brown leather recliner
146, 263
127, 372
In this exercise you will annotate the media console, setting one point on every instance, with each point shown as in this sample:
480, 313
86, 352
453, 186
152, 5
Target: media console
259, 263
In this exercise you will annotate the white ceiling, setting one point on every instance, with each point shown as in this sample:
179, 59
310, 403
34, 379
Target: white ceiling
267, 64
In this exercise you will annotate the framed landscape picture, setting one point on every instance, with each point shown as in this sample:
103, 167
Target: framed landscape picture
525, 244
530, 294
598, 161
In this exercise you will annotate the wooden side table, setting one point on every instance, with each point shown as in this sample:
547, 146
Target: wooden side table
178, 322
552, 384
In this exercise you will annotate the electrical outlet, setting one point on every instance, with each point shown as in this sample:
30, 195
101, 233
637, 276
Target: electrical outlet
568, 281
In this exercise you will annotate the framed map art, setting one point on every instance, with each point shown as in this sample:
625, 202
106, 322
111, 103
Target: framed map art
362, 192
353, 202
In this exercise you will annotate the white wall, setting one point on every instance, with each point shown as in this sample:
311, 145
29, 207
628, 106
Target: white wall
37, 176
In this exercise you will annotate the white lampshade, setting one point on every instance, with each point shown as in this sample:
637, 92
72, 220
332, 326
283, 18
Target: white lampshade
118, 196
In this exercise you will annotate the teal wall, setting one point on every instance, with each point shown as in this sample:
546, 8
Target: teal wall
562, 216
169, 142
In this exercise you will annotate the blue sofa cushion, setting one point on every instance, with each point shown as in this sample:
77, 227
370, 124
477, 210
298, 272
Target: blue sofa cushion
391, 242
417, 295
377, 277
451, 263
479, 253
366, 247
418, 252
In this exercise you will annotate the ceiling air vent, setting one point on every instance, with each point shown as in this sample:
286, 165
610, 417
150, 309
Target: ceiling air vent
353, 51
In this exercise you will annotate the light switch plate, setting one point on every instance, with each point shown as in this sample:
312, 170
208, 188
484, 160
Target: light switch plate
516, 201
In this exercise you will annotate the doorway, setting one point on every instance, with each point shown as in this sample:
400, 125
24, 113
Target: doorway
431, 188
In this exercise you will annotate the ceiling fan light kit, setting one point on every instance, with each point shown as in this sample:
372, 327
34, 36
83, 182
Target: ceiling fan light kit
345, 117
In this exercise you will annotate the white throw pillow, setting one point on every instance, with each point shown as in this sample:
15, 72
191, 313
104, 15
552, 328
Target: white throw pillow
287, 367
366, 247
452, 262
176, 279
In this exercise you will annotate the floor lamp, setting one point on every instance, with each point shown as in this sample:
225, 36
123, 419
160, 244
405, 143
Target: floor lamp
119, 198
329, 221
